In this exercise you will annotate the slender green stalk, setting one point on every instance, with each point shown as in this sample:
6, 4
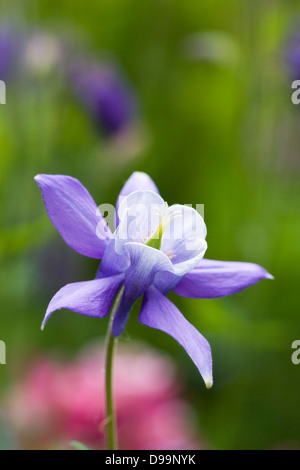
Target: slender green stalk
110, 412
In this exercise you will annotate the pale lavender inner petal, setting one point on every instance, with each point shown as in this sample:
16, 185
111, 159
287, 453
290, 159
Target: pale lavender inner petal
138, 181
183, 240
140, 215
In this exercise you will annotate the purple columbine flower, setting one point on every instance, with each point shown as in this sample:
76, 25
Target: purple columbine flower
105, 93
153, 250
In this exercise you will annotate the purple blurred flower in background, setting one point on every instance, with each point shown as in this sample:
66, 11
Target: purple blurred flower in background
100, 86
154, 249
292, 52
43, 411
9, 50
105, 93
29, 53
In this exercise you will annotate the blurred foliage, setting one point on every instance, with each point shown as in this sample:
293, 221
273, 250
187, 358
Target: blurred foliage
217, 127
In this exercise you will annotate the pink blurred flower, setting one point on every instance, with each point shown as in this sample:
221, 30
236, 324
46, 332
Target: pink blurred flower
57, 402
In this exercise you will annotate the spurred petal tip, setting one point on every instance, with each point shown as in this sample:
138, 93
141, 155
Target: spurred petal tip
209, 385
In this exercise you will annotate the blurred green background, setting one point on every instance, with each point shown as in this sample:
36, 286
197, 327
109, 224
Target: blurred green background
215, 126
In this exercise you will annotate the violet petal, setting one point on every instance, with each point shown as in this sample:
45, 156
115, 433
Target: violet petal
159, 313
74, 214
213, 279
92, 298
145, 262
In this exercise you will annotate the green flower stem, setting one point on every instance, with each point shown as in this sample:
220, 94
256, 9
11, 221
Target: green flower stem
110, 347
